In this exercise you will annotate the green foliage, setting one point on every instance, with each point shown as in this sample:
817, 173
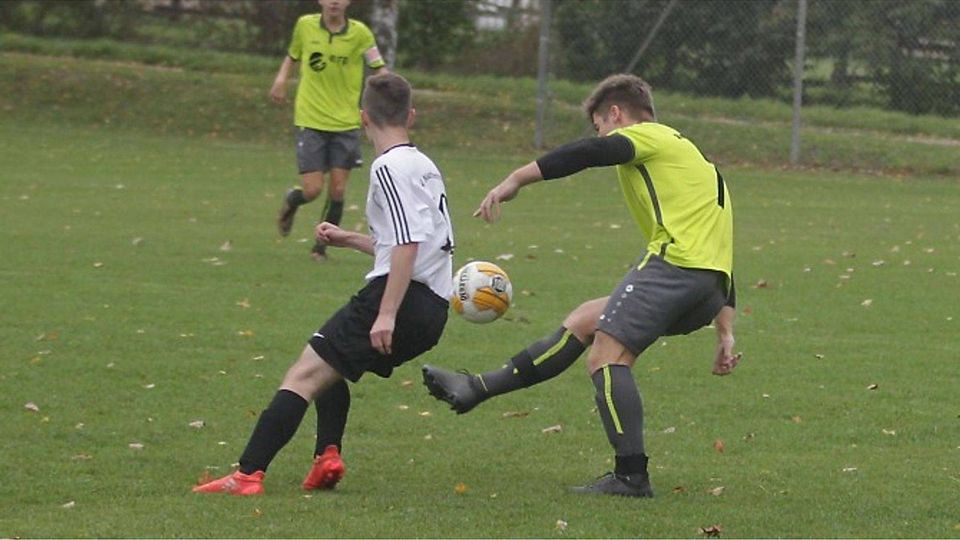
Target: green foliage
433, 32
728, 48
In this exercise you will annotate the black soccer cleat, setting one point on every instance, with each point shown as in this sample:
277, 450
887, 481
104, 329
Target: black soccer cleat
285, 217
319, 251
621, 485
461, 390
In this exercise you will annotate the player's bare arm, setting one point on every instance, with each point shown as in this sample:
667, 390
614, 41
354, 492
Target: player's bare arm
278, 92
398, 280
725, 360
335, 236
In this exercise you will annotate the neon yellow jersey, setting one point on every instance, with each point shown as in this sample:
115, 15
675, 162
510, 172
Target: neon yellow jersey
331, 72
678, 198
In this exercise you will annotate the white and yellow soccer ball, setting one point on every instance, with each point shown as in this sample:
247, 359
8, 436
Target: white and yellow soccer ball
482, 292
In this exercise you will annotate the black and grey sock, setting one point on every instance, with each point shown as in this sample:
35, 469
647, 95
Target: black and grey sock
621, 411
540, 361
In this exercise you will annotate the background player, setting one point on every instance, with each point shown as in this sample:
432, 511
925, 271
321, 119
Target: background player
332, 50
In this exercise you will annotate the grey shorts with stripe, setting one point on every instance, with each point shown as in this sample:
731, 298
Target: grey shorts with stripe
325, 150
658, 299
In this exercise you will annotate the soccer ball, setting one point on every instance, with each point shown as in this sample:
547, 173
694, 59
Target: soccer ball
481, 292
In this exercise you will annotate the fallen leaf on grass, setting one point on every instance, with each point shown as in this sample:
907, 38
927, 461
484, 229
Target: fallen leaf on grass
678, 489
561, 525
796, 420
135, 446
245, 303
98, 265
81, 457
245, 333
504, 256
867, 303
888, 432
761, 284
873, 386
713, 531
515, 414
460, 488
257, 512
32, 407
426, 413
849, 469
226, 246
552, 429
70, 504
718, 445
197, 424
717, 491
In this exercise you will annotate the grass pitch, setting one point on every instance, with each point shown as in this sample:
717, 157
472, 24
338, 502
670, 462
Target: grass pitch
145, 290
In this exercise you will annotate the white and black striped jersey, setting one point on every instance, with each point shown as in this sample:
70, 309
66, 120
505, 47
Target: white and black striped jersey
407, 203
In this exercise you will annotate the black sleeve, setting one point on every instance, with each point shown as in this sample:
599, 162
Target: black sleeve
594, 152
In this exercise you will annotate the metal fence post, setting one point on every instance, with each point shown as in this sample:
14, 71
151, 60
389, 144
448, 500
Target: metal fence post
543, 57
798, 80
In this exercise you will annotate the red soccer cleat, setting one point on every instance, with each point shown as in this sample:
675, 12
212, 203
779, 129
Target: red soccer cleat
327, 470
234, 484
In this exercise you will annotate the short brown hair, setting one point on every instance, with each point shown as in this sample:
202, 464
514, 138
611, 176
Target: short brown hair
624, 90
387, 99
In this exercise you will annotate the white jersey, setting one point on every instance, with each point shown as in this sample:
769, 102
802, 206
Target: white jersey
407, 203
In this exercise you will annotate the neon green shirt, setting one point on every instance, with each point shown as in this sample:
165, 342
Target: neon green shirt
331, 75
678, 199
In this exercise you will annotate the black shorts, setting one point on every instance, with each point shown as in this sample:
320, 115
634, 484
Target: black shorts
658, 299
325, 150
344, 340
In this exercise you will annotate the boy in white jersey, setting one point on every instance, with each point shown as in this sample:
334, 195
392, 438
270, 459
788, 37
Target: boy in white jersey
398, 315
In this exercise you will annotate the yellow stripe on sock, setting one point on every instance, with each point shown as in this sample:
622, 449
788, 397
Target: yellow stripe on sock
608, 393
567, 334
553, 350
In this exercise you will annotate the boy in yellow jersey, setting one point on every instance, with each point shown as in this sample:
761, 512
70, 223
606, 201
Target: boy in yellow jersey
681, 282
332, 51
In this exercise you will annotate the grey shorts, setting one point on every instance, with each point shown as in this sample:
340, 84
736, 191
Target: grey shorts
325, 150
658, 299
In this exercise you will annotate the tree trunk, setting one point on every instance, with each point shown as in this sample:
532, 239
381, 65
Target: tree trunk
383, 22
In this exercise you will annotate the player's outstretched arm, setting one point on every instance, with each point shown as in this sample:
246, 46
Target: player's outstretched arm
333, 235
725, 361
506, 190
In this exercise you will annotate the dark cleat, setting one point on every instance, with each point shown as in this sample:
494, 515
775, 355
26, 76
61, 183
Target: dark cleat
461, 390
285, 217
319, 251
636, 485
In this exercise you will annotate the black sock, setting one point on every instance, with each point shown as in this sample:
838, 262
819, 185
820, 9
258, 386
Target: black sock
621, 411
332, 408
276, 426
333, 212
295, 198
540, 361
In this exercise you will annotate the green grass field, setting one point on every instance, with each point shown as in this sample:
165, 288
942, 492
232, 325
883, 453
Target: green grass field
144, 288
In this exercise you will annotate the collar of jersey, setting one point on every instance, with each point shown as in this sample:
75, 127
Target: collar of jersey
346, 26
411, 145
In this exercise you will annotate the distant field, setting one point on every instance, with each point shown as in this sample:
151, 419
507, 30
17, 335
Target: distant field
144, 288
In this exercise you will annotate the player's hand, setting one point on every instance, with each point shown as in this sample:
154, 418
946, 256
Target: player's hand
489, 209
725, 361
332, 235
278, 92
381, 334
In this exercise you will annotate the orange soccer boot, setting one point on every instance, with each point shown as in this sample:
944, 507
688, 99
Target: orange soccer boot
327, 470
234, 484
